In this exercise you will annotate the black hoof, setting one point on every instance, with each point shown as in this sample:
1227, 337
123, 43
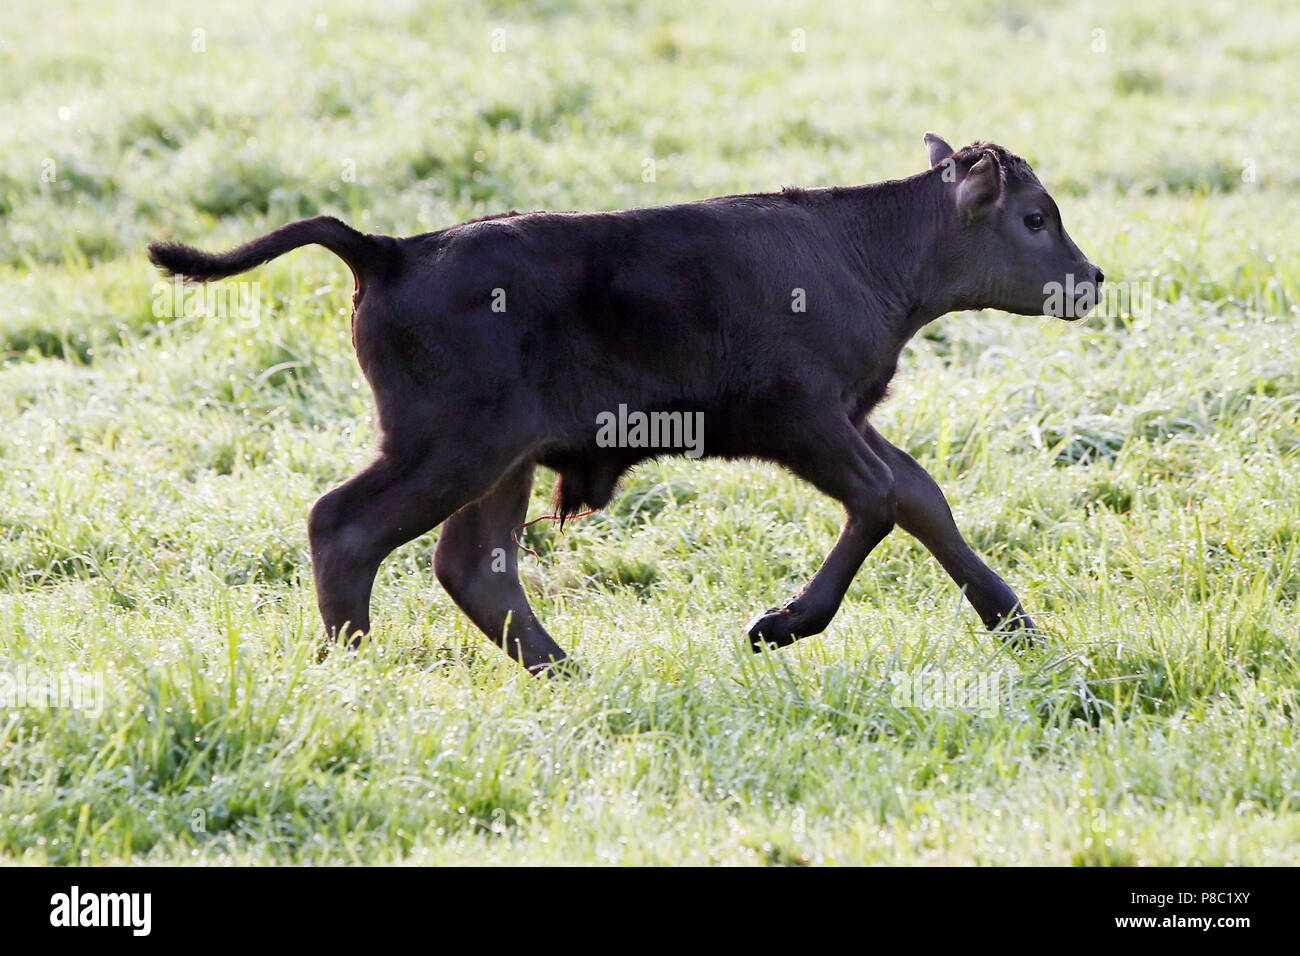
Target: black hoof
1017, 630
782, 626
566, 668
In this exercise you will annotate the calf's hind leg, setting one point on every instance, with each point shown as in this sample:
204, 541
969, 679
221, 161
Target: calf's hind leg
477, 562
354, 527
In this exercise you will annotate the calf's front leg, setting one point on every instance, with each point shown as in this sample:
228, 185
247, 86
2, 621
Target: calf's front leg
835, 458
923, 512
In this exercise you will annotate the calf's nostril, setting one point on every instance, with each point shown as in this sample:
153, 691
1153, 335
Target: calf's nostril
1101, 277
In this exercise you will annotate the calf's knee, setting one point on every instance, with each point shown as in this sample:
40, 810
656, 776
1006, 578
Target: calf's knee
876, 506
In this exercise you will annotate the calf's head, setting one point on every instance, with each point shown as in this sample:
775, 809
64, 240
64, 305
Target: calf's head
1005, 246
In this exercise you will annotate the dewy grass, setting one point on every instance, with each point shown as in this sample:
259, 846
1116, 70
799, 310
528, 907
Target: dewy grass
1135, 477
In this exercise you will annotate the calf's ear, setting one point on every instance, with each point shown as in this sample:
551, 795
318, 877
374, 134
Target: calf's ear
938, 149
981, 190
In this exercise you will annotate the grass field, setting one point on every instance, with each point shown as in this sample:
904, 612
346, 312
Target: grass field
1136, 478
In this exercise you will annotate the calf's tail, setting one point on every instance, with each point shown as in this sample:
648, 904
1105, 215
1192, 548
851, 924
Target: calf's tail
365, 255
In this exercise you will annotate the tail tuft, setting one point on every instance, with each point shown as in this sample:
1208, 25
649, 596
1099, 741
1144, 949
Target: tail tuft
178, 259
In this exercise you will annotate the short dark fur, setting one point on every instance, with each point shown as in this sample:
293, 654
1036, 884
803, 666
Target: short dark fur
684, 308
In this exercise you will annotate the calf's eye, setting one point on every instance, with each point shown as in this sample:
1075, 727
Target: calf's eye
1035, 221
